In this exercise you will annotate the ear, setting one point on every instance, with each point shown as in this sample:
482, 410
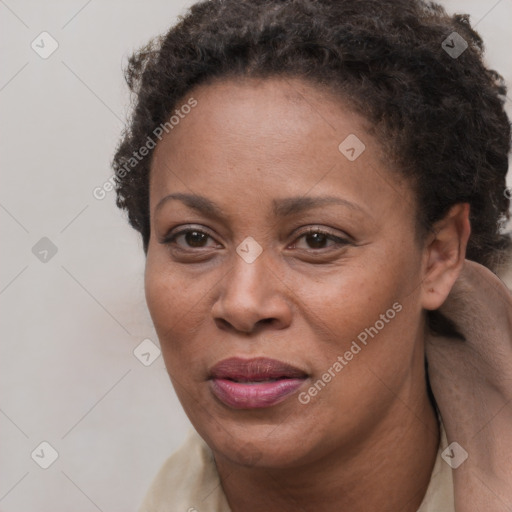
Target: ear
444, 255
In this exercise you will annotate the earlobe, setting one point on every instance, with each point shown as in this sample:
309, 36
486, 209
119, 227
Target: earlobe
445, 253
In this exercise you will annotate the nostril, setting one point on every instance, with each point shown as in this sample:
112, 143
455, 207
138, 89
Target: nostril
222, 324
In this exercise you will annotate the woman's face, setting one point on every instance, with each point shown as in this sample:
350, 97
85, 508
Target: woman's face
254, 163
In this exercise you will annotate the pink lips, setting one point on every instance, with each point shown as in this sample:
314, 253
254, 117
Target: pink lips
254, 383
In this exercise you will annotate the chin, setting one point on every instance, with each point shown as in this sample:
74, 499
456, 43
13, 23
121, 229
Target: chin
261, 445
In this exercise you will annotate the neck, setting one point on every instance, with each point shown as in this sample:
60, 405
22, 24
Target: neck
390, 469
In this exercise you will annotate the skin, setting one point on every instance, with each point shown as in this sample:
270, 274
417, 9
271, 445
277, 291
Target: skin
369, 439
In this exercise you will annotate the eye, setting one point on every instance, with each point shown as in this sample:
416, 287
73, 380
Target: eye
192, 238
316, 238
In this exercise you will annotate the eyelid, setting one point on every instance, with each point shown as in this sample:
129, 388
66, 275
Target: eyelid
339, 241
323, 231
175, 232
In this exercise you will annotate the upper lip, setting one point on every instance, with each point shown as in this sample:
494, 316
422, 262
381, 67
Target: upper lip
256, 369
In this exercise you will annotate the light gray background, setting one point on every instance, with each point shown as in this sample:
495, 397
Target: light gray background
69, 326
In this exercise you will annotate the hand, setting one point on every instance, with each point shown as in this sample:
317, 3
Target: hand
472, 383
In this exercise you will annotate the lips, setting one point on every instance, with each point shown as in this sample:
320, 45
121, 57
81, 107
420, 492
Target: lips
254, 383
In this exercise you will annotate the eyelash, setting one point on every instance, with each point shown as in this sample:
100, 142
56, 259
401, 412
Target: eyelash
339, 241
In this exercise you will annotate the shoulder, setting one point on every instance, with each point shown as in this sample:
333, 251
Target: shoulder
188, 481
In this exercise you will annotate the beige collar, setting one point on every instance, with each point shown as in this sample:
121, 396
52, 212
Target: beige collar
189, 481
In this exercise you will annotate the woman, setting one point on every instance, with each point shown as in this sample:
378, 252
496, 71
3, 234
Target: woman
319, 187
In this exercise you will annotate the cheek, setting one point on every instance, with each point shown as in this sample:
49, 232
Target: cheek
350, 299
360, 359
178, 305
166, 296
371, 312
161, 297
170, 292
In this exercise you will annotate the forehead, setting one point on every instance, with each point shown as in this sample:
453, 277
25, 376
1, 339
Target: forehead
273, 109
268, 136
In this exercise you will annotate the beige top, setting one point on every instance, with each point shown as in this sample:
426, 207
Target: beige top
188, 481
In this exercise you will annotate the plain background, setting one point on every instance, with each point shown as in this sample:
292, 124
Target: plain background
68, 374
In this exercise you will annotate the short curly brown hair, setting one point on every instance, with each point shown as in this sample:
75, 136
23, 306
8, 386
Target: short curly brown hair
441, 116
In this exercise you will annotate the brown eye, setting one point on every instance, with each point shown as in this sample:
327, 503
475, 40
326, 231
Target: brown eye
195, 238
188, 239
318, 239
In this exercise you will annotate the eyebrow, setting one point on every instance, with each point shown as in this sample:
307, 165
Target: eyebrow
281, 207
293, 205
199, 203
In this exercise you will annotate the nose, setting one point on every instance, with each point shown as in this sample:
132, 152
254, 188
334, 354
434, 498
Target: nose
252, 298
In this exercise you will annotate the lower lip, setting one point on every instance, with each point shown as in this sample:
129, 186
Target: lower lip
241, 395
